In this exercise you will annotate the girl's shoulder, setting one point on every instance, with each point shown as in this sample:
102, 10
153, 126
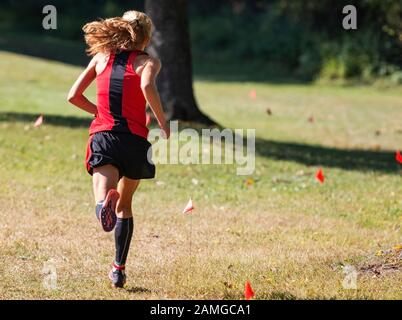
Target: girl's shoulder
141, 61
100, 61
143, 58
101, 57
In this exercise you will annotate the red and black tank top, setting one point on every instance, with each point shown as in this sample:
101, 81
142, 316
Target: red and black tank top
120, 101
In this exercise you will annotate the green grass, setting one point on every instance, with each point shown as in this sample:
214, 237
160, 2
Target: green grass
285, 233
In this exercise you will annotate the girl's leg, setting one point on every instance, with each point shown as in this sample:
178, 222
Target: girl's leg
126, 189
124, 229
125, 223
104, 178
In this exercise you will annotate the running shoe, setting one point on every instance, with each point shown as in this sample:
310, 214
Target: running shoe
108, 211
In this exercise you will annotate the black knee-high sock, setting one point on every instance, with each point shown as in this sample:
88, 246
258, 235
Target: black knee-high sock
122, 236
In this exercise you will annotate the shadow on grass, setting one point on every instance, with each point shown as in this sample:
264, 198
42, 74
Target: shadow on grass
138, 290
282, 295
73, 52
55, 120
69, 52
310, 155
315, 155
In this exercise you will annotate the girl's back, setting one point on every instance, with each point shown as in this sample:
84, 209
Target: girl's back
120, 100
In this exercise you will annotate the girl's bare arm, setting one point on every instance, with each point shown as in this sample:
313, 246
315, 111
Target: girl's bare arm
76, 94
150, 91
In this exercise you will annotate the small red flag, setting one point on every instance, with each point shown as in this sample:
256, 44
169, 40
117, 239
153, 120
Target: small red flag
398, 157
189, 207
253, 94
320, 176
147, 119
38, 121
248, 291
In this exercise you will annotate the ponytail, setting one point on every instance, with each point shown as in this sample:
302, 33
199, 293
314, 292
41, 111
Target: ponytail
129, 32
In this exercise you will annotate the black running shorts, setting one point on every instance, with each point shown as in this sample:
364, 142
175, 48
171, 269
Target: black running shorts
126, 151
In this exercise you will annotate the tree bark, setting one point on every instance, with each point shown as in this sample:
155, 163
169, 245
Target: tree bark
171, 44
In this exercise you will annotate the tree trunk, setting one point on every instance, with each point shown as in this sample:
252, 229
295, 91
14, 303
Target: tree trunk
171, 44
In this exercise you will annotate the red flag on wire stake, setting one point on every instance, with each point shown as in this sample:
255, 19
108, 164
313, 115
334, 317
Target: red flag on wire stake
248, 291
320, 176
38, 121
398, 157
189, 207
253, 94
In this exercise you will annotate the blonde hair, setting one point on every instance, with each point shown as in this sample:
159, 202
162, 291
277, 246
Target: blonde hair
130, 32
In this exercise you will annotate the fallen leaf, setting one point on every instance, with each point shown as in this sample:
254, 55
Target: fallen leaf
398, 247
249, 181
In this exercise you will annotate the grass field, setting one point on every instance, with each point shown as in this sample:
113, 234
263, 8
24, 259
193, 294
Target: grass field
290, 236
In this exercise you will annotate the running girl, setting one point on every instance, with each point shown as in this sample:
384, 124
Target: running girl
117, 151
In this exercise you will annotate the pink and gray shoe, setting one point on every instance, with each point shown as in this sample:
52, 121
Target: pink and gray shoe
117, 276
